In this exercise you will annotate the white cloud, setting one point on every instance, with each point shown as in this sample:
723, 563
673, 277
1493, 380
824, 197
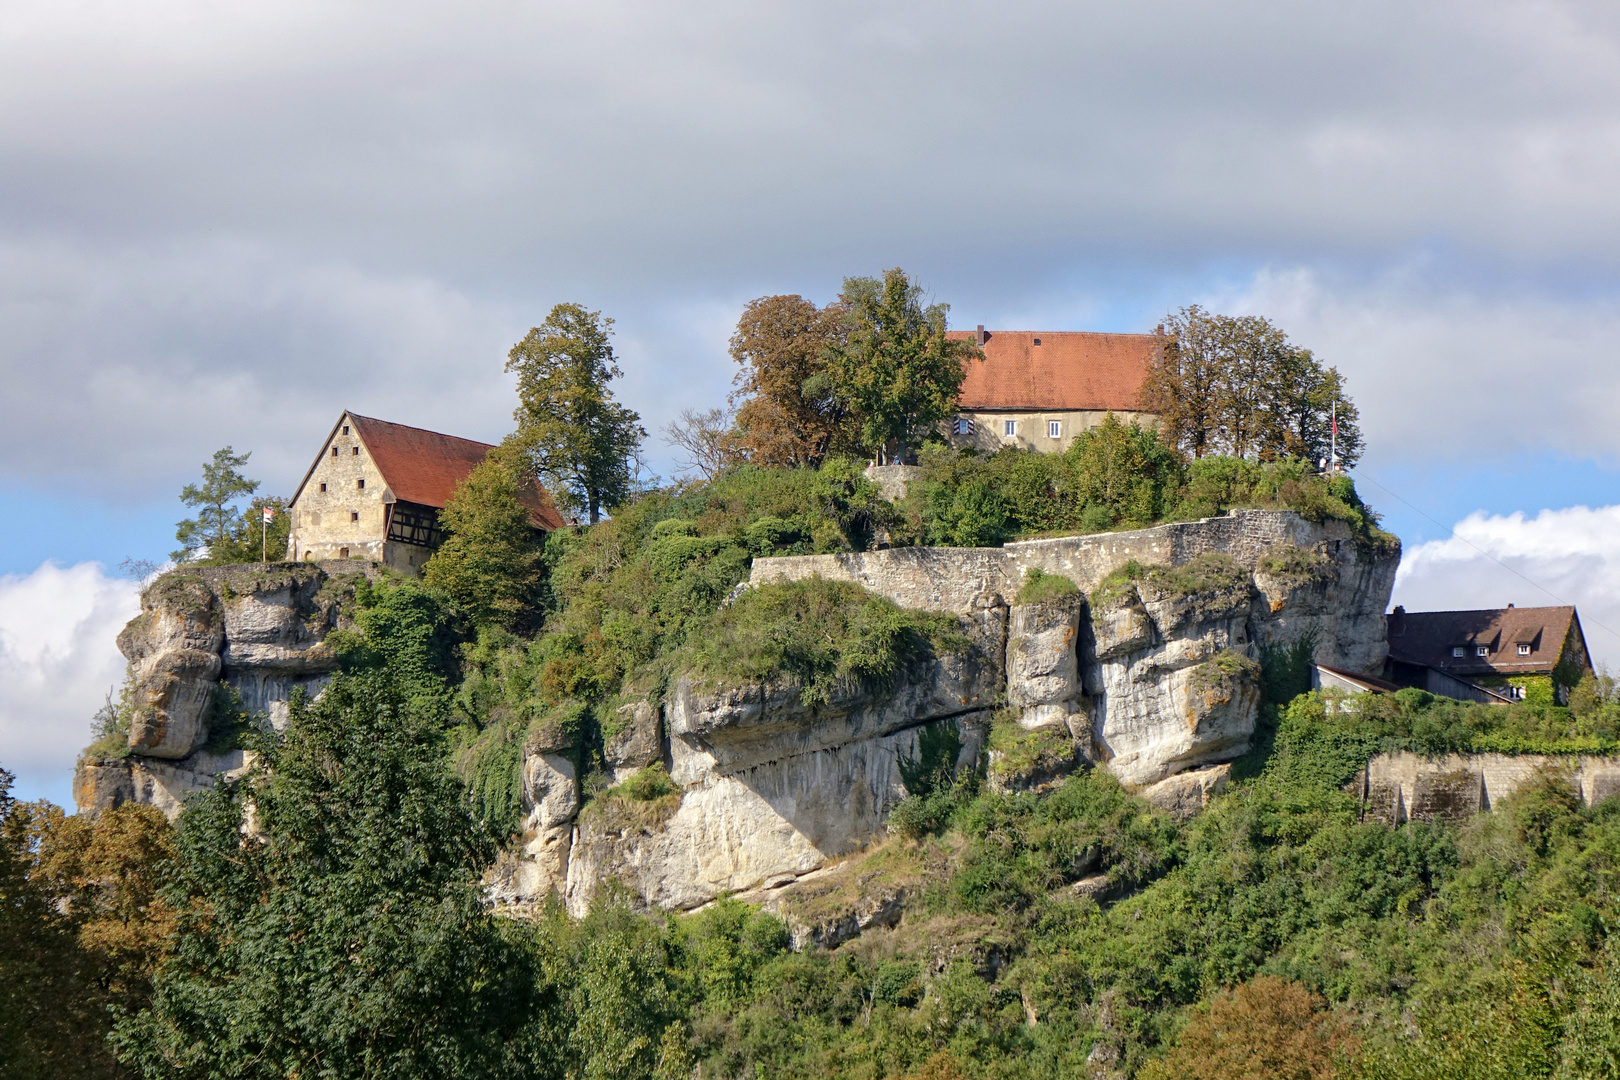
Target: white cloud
57, 662
1572, 556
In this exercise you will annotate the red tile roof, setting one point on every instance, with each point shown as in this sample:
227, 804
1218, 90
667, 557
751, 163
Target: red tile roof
424, 467
1428, 637
1067, 370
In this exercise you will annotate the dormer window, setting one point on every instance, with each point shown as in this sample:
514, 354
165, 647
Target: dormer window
1037, 341
1524, 649
1459, 651
1482, 650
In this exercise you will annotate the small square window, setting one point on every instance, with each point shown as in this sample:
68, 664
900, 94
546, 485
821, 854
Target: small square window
1524, 650
1037, 341
1482, 650
354, 515
1459, 651
361, 483
334, 451
1009, 428
323, 487
357, 451
1054, 429
345, 429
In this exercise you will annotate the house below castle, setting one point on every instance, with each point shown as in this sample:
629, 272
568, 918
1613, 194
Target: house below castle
1501, 654
1037, 391
376, 489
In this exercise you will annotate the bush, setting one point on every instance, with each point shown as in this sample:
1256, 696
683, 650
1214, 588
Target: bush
825, 637
1040, 587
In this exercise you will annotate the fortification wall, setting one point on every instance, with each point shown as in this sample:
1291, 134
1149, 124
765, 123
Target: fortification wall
1452, 787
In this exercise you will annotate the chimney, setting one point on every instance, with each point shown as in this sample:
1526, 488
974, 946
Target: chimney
979, 335
1397, 621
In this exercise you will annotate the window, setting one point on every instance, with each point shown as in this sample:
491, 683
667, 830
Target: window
1054, 429
357, 451
1459, 651
963, 425
1482, 650
323, 487
354, 515
343, 553
361, 483
1009, 428
345, 429
1524, 650
1037, 341
334, 451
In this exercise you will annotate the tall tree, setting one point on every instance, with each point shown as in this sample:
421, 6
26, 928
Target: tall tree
217, 517
581, 440
704, 439
1223, 384
896, 368
489, 564
345, 934
788, 409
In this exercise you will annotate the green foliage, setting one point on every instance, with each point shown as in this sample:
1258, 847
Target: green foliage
1216, 484
1039, 587
825, 637
1294, 566
405, 629
1123, 474
939, 745
580, 439
347, 934
217, 519
1018, 753
895, 366
251, 539
490, 563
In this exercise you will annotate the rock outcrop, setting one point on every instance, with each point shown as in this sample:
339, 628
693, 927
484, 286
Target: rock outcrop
256, 630
1157, 682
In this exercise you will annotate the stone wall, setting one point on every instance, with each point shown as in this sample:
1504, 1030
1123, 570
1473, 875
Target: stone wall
1401, 787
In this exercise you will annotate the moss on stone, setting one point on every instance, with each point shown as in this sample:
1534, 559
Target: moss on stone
1040, 587
1016, 751
1223, 669
1295, 566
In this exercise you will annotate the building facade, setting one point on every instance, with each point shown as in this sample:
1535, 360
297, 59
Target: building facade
375, 491
1511, 653
1038, 390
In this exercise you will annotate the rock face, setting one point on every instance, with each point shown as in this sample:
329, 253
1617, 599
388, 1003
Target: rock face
257, 630
1158, 684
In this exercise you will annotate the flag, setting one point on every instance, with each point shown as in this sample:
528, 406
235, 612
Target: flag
269, 512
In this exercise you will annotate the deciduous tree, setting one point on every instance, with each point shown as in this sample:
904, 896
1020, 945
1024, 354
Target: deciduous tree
703, 436
489, 564
581, 440
1235, 385
789, 412
896, 368
1266, 1029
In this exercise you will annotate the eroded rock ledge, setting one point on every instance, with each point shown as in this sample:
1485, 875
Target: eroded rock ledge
259, 630
1159, 681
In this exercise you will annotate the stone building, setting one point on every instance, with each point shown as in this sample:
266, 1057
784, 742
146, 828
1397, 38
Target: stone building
376, 489
1038, 390
1502, 654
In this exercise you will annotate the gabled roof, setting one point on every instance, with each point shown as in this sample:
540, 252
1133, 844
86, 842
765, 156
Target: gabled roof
422, 466
1428, 638
1068, 370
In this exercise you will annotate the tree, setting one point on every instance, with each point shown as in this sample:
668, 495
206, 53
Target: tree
344, 932
580, 439
704, 438
1122, 474
789, 412
1266, 1029
251, 538
222, 484
489, 564
896, 368
1235, 385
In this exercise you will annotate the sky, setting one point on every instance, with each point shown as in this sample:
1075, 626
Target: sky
223, 224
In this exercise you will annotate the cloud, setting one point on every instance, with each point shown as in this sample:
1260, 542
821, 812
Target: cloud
57, 662
1434, 361
1572, 556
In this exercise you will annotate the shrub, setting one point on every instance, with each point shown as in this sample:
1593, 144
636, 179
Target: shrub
1265, 1029
1040, 587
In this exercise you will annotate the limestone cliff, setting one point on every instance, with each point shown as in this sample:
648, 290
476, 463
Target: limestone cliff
1158, 677
259, 631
